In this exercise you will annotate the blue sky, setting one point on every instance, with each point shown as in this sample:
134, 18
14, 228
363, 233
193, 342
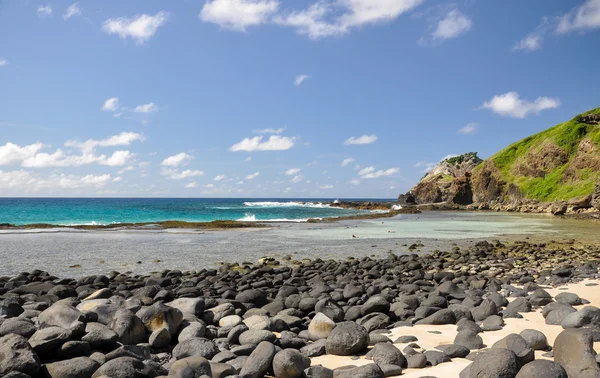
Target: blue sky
274, 98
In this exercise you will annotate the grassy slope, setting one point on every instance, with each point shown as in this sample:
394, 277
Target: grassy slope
549, 188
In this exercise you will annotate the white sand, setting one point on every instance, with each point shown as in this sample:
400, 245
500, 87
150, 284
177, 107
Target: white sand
428, 341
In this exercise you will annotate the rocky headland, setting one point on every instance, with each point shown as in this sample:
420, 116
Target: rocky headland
556, 171
280, 319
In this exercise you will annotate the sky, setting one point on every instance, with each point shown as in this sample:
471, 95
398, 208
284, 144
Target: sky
278, 98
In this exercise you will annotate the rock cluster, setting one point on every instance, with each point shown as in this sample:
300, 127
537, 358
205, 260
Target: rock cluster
270, 319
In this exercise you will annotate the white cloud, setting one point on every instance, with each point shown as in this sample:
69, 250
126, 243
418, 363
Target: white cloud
511, 105
371, 173
296, 179
452, 25
347, 162
300, 79
139, 28
175, 174
253, 176
219, 177
118, 179
355, 182
325, 19
24, 182
582, 18
12, 153
111, 105
118, 159
44, 11
95, 180
363, 139
249, 158
191, 185
72, 11
176, 160
3, 62
531, 42
238, 14
209, 186
326, 187
146, 108
269, 131
274, 143
122, 139
469, 128
292, 171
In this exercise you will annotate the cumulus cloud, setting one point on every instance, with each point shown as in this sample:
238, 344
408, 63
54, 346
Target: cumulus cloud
511, 105
44, 11
139, 28
238, 14
191, 185
347, 162
73, 10
326, 187
371, 172
269, 131
581, 18
274, 143
296, 179
176, 160
111, 105
452, 25
300, 79
531, 42
122, 139
118, 159
12, 153
146, 108
469, 128
3, 62
292, 171
363, 139
252, 176
219, 177
326, 19
175, 174
23, 181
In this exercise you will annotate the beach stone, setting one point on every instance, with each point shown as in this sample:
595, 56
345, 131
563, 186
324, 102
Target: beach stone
569, 298
497, 363
386, 353
17, 326
195, 347
99, 336
213, 315
49, 339
376, 303
469, 339
231, 321
314, 349
159, 338
374, 321
435, 357
318, 372
573, 350
233, 336
255, 296
63, 316
518, 305
125, 367
257, 322
485, 309
320, 327
16, 355
259, 362
440, 317
79, 367
519, 346
365, 371
558, 315
130, 329
160, 316
195, 329
192, 306
331, 309
289, 363
139, 352
72, 349
255, 337
390, 370
468, 324
492, 323
10, 309
542, 368
416, 361
352, 291
588, 316
536, 339
220, 370
405, 339
454, 350
190, 367
540, 297
223, 356
98, 294
347, 338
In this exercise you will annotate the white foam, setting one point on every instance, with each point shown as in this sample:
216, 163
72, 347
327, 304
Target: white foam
396, 207
318, 205
252, 218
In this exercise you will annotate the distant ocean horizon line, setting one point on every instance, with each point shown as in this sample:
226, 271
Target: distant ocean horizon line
215, 198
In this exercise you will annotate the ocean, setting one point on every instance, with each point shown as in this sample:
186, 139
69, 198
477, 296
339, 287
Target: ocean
103, 211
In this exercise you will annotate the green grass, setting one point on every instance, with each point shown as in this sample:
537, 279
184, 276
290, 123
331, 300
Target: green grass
457, 160
567, 136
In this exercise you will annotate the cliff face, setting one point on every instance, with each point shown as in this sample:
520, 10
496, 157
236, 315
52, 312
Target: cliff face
558, 168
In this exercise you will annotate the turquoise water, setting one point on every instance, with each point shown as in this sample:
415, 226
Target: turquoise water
99, 211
